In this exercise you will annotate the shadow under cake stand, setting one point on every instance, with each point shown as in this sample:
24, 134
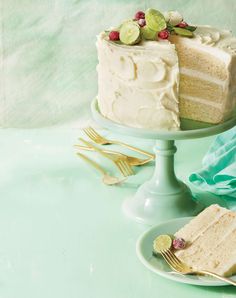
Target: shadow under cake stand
164, 196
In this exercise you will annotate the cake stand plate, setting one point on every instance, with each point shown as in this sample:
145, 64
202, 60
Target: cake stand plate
164, 196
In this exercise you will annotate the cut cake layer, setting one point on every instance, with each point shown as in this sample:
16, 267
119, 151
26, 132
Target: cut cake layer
199, 109
211, 241
198, 87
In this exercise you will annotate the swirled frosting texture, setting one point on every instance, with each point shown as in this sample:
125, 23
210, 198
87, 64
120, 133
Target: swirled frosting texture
220, 39
138, 85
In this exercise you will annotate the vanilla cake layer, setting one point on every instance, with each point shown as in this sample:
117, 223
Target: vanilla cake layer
200, 60
211, 241
199, 109
198, 87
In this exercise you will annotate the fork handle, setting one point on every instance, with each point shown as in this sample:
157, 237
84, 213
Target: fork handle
133, 148
225, 279
96, 149
92, 149
92, 163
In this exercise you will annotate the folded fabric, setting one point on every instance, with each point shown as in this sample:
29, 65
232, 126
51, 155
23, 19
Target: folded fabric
218, 174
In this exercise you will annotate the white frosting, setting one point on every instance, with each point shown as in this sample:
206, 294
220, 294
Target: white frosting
203, 101
138, 85
220, 39
202, 76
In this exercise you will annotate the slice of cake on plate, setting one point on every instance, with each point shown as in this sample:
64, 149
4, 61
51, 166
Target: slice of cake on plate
155, 69
210, 241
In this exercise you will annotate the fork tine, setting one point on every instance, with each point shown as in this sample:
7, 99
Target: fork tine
85, 130
92, 132
88, 133
171, 262
102, 139
122, 164
121, 168
126, 167
167, 260
174, 257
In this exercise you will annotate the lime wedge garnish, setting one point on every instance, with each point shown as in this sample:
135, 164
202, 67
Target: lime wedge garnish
130, 33
148, 33
183, 32
155, 20
162, 242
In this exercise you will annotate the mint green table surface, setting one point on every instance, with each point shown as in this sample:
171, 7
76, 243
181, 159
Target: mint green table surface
62, 232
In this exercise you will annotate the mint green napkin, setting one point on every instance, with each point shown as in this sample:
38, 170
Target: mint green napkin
218, 173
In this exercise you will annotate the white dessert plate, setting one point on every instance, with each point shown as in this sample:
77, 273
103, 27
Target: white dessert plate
159, 266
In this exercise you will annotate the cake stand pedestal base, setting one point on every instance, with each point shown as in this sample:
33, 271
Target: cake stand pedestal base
164, 196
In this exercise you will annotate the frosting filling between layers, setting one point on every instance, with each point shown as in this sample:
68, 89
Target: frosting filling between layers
202, 101
202, 76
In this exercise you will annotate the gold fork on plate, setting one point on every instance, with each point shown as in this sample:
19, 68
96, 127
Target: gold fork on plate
107, 179
133, 161
178, 266
97, 138
121, 164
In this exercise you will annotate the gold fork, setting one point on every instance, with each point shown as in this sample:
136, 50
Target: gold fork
121, 164
177, 265
94, 136
133, 161
107, 179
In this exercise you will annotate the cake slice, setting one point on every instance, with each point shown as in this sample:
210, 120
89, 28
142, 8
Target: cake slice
211, 241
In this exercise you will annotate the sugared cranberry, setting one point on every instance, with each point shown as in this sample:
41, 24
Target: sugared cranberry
179, 243
182, 24
164, 34
114, 35
139, 15
141, 22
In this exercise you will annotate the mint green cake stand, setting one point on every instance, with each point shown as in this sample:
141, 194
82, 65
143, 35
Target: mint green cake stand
164, 196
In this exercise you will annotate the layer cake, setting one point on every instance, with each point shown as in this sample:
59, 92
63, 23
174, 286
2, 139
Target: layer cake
154, 83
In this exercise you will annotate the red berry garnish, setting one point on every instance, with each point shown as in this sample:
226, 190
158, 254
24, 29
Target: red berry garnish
164, 34
182, 24
139, 15
179, 243
114, 35
141, 22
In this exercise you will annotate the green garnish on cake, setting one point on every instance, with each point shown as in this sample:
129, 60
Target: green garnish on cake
151, 25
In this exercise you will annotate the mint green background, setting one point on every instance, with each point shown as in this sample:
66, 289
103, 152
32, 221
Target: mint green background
48, 54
